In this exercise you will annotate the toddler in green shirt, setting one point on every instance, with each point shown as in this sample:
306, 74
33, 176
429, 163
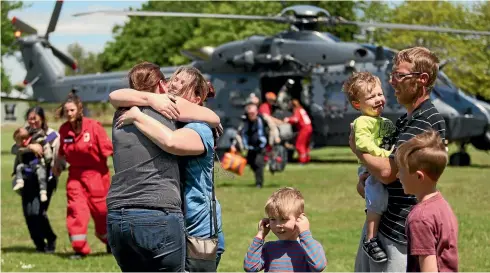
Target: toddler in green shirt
373, 135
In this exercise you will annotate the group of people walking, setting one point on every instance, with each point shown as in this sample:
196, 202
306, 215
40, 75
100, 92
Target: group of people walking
84, 145
162, 190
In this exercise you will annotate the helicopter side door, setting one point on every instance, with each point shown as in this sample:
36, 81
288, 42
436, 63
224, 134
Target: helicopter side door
232, 91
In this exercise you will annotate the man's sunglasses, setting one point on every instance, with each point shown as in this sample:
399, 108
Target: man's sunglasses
399, 76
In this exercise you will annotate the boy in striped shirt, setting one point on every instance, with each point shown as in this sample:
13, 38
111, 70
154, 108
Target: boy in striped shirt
296, 250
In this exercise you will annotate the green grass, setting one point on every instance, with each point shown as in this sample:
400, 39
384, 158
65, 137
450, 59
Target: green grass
332, 205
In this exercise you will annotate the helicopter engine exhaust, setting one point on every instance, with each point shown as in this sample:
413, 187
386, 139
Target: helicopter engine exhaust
360, 52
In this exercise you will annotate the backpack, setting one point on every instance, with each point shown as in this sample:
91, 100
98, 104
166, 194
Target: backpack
278, 159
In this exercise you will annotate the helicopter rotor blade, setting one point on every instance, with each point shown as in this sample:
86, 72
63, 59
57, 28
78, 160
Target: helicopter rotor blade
189, 15
54, 17
342, 21
23, 27
65, 59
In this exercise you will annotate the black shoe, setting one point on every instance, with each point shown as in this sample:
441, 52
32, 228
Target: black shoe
108, 249
50, 247
77, 256
374, 250
40, 249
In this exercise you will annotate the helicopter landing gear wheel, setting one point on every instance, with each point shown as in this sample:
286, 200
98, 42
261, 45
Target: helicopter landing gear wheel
461, 158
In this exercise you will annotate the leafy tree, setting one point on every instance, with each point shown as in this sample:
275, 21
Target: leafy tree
88, 62
8, 38
160, 40
153, 39
375, 11
469, 69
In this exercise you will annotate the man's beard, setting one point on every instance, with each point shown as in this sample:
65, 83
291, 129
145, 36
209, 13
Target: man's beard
408, 94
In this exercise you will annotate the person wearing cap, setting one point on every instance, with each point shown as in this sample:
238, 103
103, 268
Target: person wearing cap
266, 106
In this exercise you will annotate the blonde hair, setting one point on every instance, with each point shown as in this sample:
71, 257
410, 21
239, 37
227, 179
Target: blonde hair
195, 85
425, 152
284, 202
360, 83
423, 60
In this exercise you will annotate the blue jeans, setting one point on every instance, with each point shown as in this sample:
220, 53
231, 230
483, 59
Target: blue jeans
221, 247
146, 240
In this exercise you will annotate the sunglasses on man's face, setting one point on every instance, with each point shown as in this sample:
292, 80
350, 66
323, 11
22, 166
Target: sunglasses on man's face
400, 76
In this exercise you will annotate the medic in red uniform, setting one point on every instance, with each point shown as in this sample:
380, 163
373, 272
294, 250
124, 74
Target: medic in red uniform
85, 145
266, 107
303, 124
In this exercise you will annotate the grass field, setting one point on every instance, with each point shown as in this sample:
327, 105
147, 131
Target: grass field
334, 209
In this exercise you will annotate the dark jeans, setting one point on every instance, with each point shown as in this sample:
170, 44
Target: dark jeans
146, 240
256, 161
35, 211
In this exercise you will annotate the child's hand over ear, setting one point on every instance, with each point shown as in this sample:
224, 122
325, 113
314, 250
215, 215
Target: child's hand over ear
302, 223
264, 228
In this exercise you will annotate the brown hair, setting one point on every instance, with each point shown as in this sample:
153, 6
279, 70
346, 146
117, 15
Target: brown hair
359, 83
425, 152
73, 98
145, 76
21, 133
423, 61
284, 202
195, 85
296, 103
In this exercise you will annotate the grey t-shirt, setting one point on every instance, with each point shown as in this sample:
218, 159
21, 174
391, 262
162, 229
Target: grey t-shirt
145, 175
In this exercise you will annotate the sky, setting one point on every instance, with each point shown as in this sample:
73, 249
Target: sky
92, 32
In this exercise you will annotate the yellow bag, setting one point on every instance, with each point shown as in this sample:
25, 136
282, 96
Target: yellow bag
234, 163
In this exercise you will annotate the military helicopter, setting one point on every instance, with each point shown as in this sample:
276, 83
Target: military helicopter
279, 64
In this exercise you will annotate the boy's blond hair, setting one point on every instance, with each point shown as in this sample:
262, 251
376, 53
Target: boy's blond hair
360, 83
423, 61
425, 152
284, 202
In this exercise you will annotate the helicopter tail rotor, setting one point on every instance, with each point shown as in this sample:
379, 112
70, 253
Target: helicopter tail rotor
64, 58
54, 17
23, 27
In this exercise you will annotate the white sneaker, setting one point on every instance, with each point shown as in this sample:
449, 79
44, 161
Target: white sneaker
44, 196
19, 184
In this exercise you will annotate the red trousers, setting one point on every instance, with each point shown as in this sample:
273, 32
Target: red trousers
86, 192
303, 144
